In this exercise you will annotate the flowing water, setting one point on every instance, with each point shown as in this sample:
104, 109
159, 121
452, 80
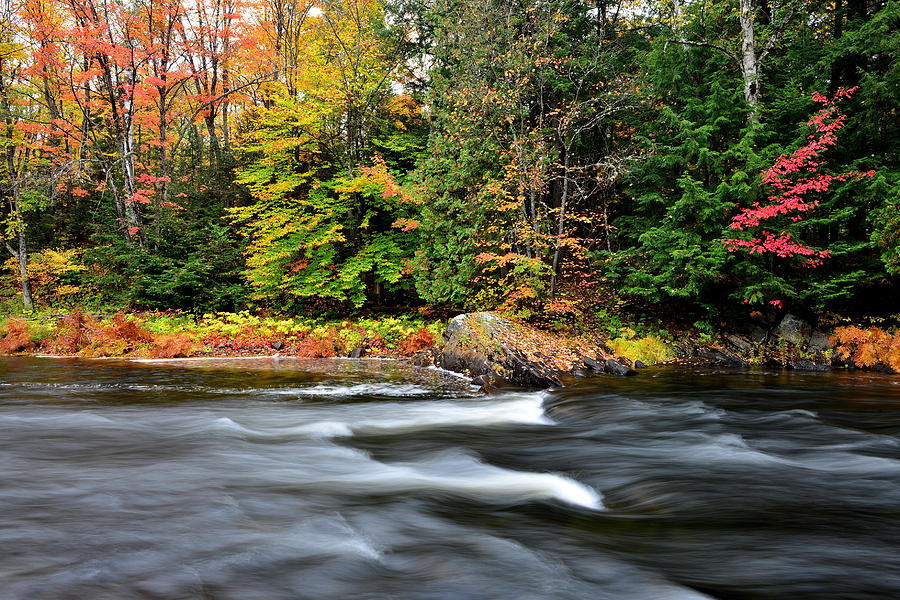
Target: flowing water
338, 479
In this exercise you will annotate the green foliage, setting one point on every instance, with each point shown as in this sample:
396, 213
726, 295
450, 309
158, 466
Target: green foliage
886, 224
557, 159
322, 226
698, 171
332, 240
451, 217
703, 164
524, 102
197, 272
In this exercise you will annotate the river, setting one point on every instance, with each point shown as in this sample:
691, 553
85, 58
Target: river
340, 479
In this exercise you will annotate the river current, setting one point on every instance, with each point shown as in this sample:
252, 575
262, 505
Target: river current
271, 479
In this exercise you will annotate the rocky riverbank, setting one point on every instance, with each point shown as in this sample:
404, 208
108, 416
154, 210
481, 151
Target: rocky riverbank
496, 351
792, 343
493, 350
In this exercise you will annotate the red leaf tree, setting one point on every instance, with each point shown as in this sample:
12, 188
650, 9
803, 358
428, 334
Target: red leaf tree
794, 180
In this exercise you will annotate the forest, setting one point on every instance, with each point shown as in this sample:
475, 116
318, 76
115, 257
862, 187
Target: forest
689, 159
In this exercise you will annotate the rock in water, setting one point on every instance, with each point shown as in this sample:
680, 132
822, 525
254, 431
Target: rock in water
494, 350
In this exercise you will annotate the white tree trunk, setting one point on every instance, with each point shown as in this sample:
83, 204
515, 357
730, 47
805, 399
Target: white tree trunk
27, 301
749, 58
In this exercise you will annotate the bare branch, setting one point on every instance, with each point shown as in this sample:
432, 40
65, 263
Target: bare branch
705, 44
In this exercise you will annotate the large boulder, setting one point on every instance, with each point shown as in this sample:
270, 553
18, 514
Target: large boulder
794, 330
494, 350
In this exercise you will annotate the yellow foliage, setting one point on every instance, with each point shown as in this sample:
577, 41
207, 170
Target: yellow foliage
51, 272
649, 350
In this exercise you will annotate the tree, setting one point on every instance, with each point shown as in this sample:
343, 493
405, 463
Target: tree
328, 220
761, 26
795, 181
23, 144
525, 102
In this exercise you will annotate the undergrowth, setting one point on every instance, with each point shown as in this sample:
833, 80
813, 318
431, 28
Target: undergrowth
649, 350
172, 334
868, 347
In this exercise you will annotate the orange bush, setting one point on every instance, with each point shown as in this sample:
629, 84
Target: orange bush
868, 347
417, 342
173, 346
16, 337
75, 333
118, 337
120, 328
315, 348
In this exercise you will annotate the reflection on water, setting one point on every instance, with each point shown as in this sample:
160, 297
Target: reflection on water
289, 479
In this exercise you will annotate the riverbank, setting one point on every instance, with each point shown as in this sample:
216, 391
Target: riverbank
179, 335
516, 352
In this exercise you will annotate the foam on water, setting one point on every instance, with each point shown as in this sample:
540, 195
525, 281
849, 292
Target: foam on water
468, 477
730, 448
402, 390
526, 409
344, 470
383, 389
320, 429
447, 372
451, 472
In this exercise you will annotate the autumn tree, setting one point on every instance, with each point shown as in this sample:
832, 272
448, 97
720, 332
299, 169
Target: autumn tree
328, 220
525, 146
796, 182
213, 37
28, 141
17, 150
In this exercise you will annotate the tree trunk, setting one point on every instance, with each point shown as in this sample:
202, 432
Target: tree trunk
837, 65
225, 127
133, 223
123, 128
214, 148
606, 225
20, 253
749, 59
561, 226
163, 170
22, 258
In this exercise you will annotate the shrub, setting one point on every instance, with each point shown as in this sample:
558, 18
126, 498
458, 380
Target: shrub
418, 341
17, 337
868, 347
649, 350
173, 346
75, 333
315, 348
122, 328
117, 337
101, 346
